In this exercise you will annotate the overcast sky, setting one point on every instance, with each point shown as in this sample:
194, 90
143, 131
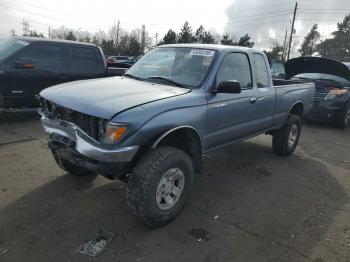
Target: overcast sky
265, 20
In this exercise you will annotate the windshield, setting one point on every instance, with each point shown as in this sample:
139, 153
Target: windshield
317, 76
10, 46
182, 66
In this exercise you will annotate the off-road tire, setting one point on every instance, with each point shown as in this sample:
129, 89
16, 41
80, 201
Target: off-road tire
343, 121
143, 182
280, 137
70, 168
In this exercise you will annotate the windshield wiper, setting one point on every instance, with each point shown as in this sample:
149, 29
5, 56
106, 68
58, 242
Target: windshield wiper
133, 77
167, 80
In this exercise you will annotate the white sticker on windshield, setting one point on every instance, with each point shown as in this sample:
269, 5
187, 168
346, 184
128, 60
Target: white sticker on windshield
21, 42
202, 52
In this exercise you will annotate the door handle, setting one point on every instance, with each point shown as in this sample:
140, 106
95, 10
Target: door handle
253, 100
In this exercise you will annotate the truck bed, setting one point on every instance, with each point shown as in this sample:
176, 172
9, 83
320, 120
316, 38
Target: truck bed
289, 93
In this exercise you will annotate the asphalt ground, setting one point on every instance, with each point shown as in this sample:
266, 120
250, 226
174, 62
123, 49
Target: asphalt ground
247, 205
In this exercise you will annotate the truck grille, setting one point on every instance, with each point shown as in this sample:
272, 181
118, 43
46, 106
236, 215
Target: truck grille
88, 124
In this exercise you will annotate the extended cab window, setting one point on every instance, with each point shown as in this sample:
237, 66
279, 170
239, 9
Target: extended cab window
83, 60
235, 66
262, 77
46, 57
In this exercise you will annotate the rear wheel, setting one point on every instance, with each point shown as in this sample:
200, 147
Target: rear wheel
159, 185
344, 119
71, 168
286, 139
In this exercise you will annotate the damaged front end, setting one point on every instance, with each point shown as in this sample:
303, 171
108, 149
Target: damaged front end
73, 138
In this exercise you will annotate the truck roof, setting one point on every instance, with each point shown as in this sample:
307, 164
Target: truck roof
212, 46
46, 40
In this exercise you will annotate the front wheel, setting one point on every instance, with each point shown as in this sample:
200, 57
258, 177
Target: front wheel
286, 139
344, 119
159, 185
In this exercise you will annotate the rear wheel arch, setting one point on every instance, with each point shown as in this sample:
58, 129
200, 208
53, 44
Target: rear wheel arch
297, 109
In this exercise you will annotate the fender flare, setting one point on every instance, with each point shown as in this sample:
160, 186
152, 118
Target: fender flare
290, 110
156, 143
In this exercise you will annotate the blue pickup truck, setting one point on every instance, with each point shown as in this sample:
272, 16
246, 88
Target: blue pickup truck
151, 126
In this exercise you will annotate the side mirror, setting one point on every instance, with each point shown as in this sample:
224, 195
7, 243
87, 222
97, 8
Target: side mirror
230, 86
25, 63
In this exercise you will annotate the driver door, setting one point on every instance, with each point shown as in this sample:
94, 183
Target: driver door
231, 116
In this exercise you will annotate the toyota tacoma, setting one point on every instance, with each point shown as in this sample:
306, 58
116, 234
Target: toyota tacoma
151, 126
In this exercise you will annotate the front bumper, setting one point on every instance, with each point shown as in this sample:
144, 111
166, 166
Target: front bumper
75, 146
87, 146
329, 110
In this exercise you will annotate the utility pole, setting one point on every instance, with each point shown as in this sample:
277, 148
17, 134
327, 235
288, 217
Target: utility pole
117, 40
49, 33
143, 39
284, 46
292, 31
157, 38
25, 27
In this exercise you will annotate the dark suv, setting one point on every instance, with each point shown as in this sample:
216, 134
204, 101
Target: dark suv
29, 65
332, 81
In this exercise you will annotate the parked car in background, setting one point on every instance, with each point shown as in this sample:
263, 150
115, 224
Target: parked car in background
152, 126
121, 62
347, 64
332, 81
277, 69
132, 60
117, 59
28, 65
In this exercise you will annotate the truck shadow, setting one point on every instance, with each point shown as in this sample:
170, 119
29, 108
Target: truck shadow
249, 204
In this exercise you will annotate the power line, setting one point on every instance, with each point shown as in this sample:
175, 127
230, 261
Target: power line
322, 13
264, 14
328, 9
260, 17
36, 6
262, 6
318, 20
268, 22
32, 13
16, 18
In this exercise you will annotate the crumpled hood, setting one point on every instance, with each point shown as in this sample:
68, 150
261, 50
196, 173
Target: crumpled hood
106, 97
321, 65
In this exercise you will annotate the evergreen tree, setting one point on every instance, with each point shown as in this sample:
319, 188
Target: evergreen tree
337, 47
276, 53
186, 35
226, 40
70, 36
35, 34
203, 36
244, 41
169, 38
310, 42
134, 47
108, 47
